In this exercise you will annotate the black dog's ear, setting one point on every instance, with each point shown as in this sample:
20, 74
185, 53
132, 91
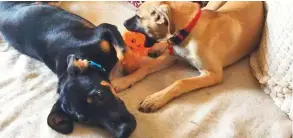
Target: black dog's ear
111, 34
60, 121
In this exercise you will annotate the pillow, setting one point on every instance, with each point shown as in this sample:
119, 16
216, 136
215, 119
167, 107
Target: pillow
272, 63
136, 3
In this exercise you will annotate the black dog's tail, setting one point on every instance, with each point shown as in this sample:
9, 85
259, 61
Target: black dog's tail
110, 33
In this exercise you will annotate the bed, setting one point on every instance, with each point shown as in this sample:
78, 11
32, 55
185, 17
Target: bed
236, 108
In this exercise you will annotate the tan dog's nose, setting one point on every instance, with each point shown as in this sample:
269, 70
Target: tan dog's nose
130, 24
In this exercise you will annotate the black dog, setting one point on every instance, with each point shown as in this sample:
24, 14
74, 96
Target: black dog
56, 37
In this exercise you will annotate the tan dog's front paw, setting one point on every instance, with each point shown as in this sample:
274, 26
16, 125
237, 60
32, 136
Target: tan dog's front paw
153, 102
120, 84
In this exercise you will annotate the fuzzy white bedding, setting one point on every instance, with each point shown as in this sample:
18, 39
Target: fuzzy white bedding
272, 63
236, 108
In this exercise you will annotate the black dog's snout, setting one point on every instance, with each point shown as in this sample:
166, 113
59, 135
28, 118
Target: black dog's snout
81, 118
125, 129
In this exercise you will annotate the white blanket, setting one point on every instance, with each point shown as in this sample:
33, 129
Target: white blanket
272, 63
235, 108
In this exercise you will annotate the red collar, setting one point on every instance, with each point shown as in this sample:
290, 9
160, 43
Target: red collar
183, 33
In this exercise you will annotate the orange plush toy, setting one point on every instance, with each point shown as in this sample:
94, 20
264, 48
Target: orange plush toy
137, 53
135, 41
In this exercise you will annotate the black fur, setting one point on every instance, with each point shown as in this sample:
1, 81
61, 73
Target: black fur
50, 34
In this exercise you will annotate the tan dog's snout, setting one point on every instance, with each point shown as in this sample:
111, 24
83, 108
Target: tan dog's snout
131, 24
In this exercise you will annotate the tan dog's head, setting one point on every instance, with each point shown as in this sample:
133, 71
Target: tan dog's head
153, 19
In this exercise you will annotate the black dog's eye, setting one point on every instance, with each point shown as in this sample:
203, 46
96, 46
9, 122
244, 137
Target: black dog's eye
95, 97
98, 96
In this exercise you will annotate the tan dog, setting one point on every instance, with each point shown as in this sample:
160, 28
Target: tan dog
219, 39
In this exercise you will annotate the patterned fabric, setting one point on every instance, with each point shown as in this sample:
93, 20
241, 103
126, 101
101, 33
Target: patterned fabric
272, 63
136, 3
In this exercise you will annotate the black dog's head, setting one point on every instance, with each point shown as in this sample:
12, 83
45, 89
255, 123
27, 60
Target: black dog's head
54, 35
86, 96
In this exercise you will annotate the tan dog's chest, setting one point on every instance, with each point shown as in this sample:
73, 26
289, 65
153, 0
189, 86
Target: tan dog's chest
188, 53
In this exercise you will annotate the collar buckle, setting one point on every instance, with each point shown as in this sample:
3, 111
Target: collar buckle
181, 35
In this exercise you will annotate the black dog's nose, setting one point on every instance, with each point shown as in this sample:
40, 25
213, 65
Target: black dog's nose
125, 129
81, 118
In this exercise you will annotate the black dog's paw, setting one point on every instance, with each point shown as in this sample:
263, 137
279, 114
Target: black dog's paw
60, 123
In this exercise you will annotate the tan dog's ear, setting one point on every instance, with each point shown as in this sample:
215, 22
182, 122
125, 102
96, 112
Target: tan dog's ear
163, 14
164, 17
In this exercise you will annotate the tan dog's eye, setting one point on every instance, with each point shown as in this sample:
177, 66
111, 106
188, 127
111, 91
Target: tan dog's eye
138, 17
153, 13
157, 18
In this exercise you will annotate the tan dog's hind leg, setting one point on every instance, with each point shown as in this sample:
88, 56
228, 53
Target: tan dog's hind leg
164, 61
159, 99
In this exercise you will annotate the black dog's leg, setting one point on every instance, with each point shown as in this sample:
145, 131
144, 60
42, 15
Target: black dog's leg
59, 121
